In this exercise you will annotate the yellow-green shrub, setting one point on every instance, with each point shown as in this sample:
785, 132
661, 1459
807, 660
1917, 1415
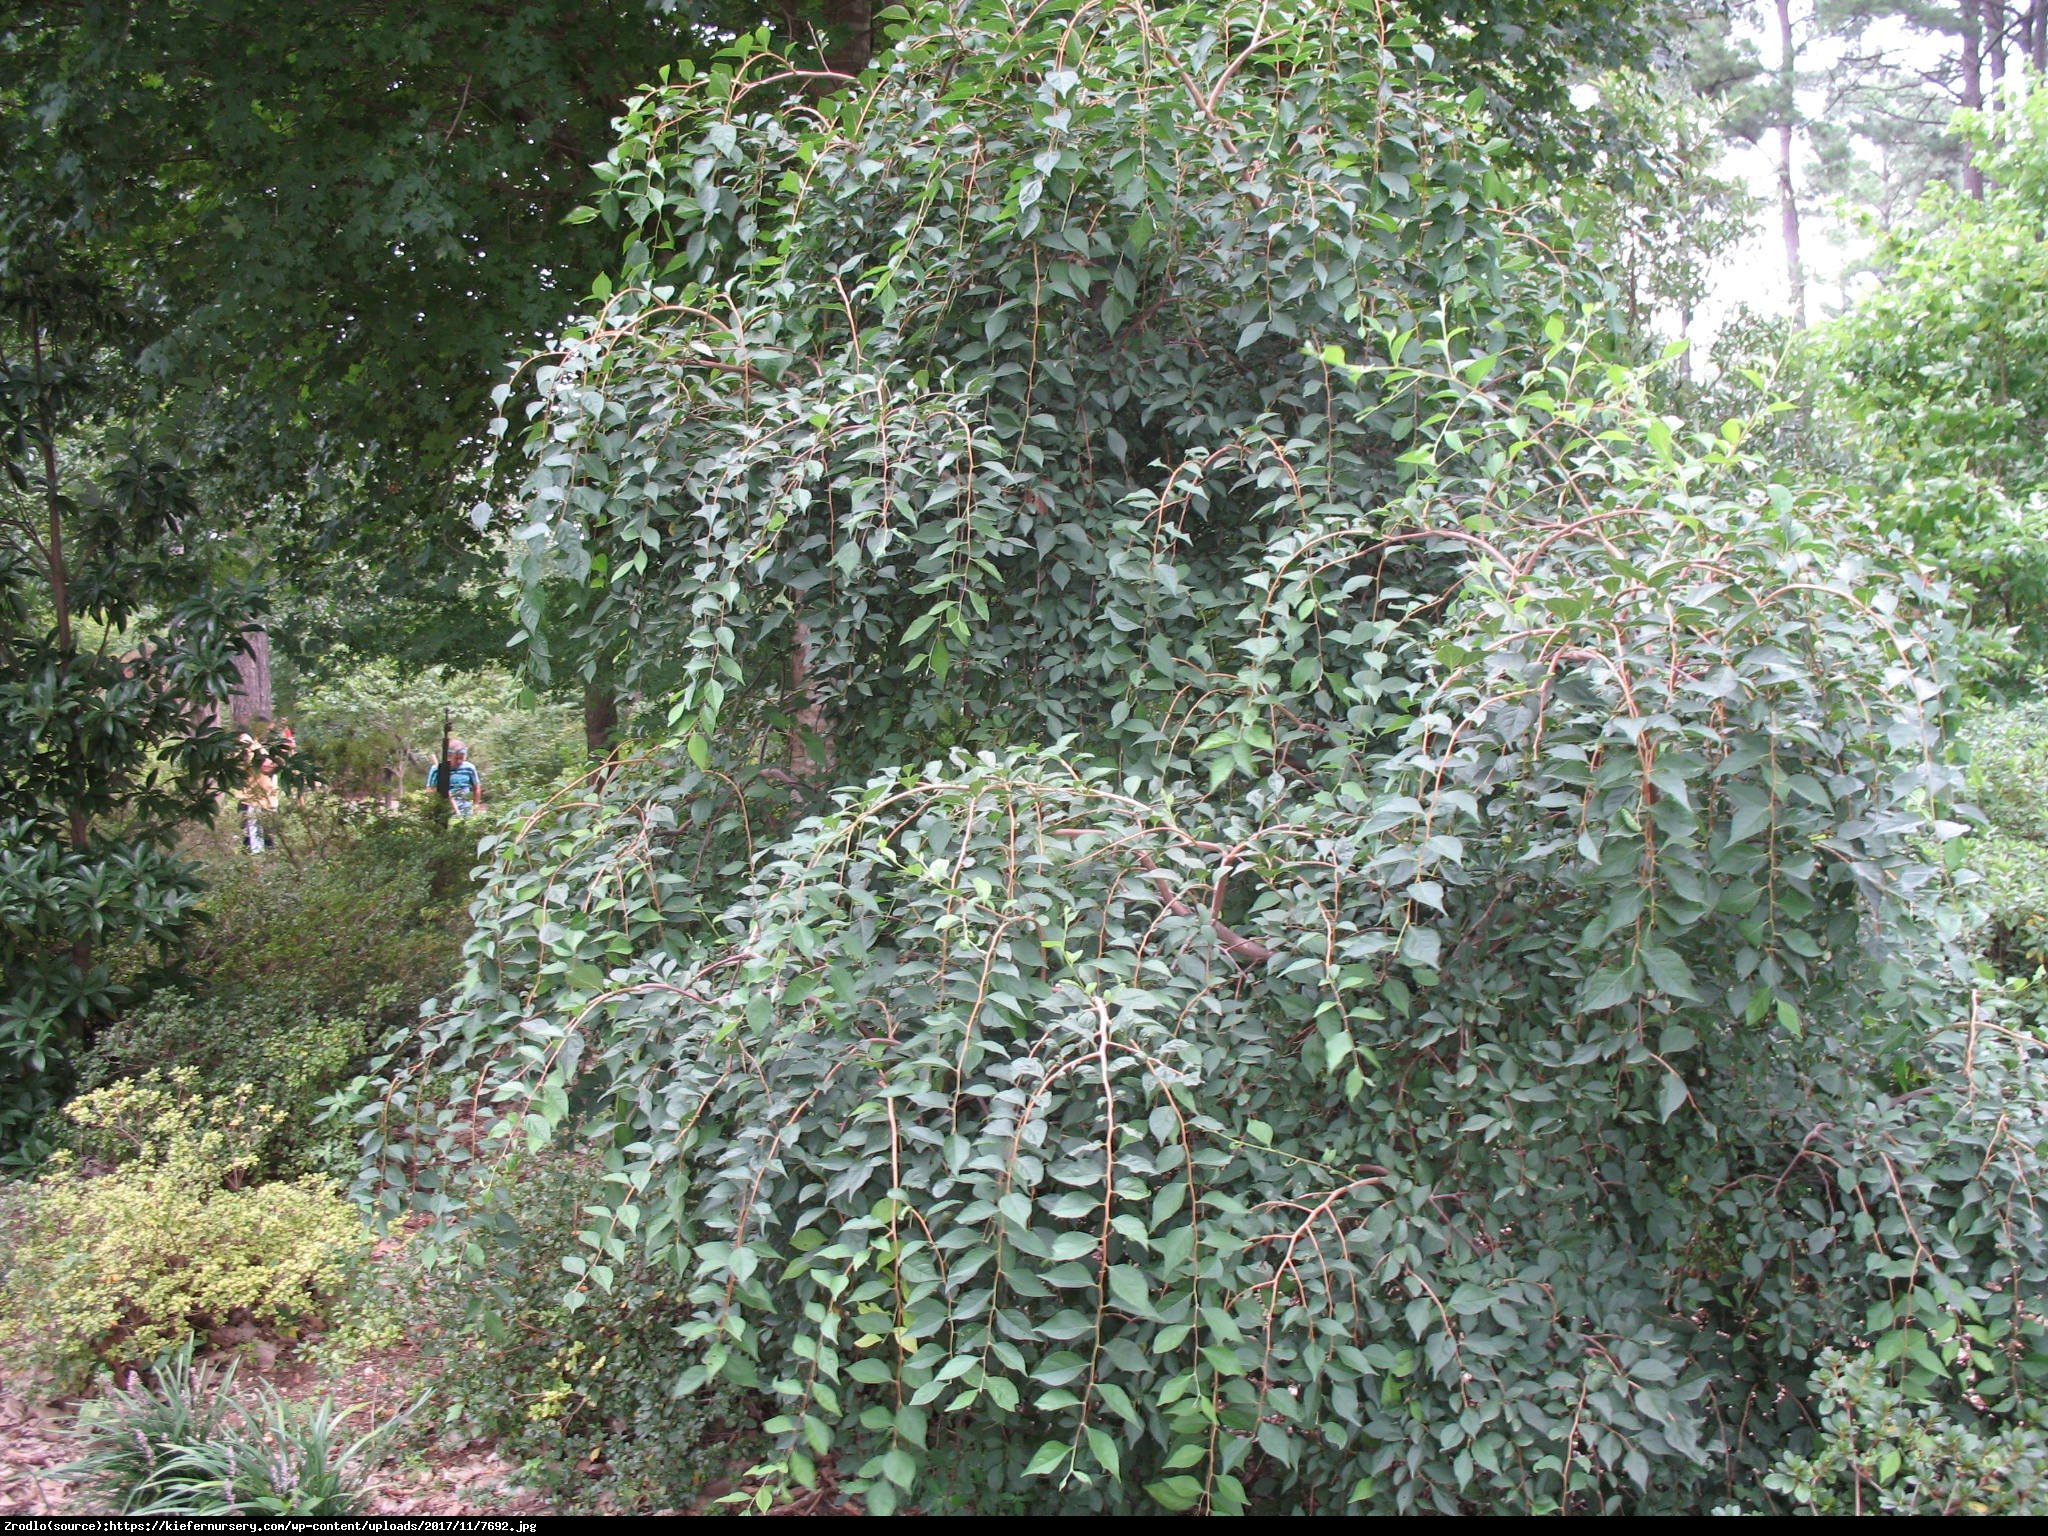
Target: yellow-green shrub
120, 1264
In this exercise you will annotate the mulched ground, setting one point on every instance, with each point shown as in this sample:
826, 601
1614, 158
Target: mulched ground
36, 1439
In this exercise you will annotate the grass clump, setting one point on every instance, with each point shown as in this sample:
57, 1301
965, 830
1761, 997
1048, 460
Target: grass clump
177, 1442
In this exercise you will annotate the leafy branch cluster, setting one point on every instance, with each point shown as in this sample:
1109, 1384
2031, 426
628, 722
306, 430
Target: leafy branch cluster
1270, 888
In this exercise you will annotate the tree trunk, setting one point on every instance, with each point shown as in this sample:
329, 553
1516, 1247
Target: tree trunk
851, 42
2036, 34
251, 700
1788, 197
1973, 83
808, 730
600, 719
80, 825
1994, 48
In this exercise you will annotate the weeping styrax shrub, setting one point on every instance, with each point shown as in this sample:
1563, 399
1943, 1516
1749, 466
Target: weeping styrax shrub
1270, 894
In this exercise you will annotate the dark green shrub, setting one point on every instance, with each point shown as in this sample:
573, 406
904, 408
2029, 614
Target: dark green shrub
2009, 769
1880, 1451
120, 632
2009, 782
581, 1386
1365, 921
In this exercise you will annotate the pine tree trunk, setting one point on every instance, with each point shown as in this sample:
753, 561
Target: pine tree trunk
1973, 83
1994, 49
1788, 197
251, 700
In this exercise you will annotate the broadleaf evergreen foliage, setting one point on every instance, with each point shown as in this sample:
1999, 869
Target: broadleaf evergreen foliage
117, 647
1272, 893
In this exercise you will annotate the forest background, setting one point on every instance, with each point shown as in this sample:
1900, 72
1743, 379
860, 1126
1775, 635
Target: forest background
1204, 790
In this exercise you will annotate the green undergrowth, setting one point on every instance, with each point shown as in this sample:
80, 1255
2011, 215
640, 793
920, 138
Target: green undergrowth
577, 1386
2009, 780
177, 1440
355, 909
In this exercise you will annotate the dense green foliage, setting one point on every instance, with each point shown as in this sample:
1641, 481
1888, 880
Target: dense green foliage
176, 1238
1272, 894
330, 386
1942, 374
116, 648
2009, 782
360, 911
305, 956
1232, 847
277, 1048
376, 729
1058, 294
582, 1397
1880, 1454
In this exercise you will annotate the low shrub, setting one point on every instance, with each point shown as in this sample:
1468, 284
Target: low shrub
274, 1044
371, 1310
179, 1444
133, 1433
175, 1237
579, 1384
2009, 780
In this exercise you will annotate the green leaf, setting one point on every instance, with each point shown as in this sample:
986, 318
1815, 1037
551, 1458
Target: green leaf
899, 1467
1176, 1493
1669, 973
1671, 1095
1049, 1455
1104, 1449
1609, 988
1127, 1284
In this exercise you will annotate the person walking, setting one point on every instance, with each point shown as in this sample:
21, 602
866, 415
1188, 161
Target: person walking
258, 794
465, 784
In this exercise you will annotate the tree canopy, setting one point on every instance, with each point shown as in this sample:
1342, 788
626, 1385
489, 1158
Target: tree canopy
345, 228
1942, 377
